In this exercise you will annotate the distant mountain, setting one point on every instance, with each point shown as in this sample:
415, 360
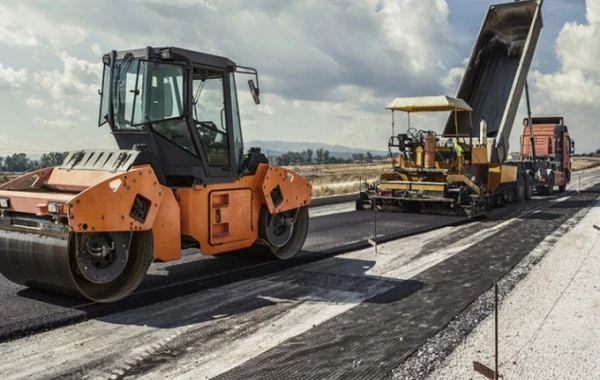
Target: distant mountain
276, 148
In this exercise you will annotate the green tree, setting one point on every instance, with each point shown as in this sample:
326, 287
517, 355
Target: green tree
319, 154
309, 153
52, 159
18, 162
369, 157
326, 156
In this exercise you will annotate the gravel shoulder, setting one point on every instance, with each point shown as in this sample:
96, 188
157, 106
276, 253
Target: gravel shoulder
549, 324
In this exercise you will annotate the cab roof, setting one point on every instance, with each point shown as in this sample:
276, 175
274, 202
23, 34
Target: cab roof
180, 54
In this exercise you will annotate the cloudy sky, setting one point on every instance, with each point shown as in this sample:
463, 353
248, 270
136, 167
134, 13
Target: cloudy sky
327, 68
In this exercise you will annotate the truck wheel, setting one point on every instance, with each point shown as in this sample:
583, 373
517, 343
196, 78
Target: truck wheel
528, 186
519, 195
550, 188
360, 205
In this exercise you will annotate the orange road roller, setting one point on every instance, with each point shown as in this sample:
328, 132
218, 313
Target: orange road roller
180, 178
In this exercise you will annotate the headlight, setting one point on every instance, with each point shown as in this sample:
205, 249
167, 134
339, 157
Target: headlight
4, 203
57, 208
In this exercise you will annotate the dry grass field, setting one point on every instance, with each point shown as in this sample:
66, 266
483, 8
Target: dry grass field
340, 178
4, 178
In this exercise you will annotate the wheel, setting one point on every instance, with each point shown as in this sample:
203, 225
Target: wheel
108, 266
360, 205
528, 186
509, 196
519, 195
550, 188
562, 188
284, 233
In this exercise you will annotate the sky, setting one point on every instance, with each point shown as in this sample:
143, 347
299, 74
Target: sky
326, 69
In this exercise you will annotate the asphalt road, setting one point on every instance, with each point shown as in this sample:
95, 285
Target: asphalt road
332, 229
355, 314
219, 309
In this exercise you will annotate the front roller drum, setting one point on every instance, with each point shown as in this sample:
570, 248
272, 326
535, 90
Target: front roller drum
100, 267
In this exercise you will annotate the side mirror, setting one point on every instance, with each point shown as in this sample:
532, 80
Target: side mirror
254, 91
572, 146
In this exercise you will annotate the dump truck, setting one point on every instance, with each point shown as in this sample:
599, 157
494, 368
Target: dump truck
465, 170
546, 151
180, 178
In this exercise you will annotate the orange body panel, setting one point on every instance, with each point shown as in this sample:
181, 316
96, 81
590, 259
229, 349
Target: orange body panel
221, 217
230, 215
239, 210
543, 137
105, 206
31, 180
295, 190
32, 202
76, 180
166, 230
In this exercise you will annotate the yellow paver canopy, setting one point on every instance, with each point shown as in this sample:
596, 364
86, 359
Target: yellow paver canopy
428, 104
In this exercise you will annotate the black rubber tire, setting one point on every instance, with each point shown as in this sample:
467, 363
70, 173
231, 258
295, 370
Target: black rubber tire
140, 259
296, 241
519, 195
360, 205
550, 188
528, 187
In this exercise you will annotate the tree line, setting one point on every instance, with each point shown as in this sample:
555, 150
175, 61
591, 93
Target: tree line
320, 156
20, 162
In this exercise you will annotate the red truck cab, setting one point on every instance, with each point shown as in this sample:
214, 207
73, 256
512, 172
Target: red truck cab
552, 144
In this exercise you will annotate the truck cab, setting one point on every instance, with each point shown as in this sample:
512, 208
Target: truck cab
552, 143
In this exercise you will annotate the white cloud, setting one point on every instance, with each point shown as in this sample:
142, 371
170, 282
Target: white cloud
56, 123
33, 102
573, 91
266, 110
22, 25
79, 77
9, 143
11, 78
64, 110
96, 49
326, 69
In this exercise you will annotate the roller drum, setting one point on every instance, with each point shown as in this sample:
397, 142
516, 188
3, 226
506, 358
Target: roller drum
49, 263
37, 261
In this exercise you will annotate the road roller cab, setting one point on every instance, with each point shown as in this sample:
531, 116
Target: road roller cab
180, 178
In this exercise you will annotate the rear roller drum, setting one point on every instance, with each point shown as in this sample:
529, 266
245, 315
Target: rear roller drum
284, 233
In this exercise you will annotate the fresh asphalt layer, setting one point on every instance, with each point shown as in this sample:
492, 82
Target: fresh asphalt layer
27, 310
371, 339
358, 314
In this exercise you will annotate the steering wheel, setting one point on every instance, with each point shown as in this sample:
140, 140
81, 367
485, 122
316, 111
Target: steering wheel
412, 133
